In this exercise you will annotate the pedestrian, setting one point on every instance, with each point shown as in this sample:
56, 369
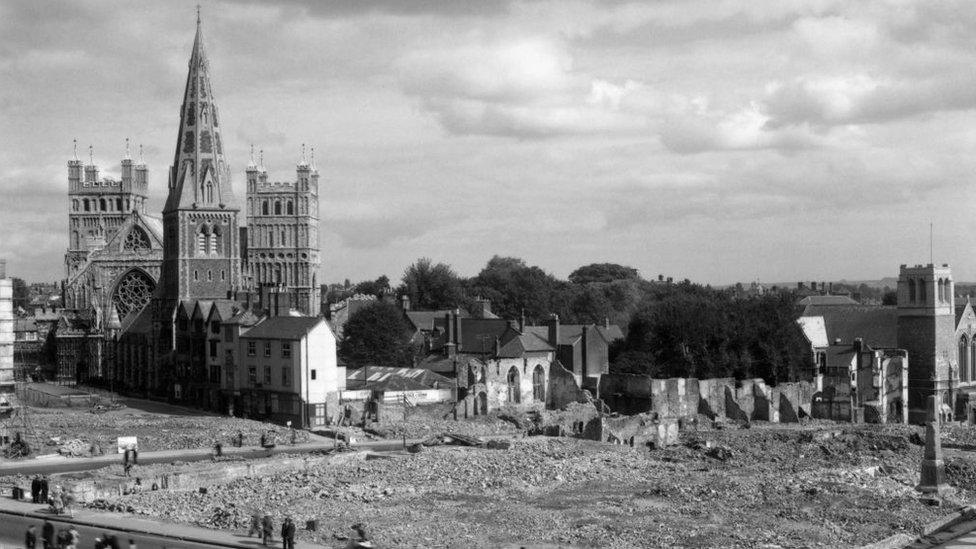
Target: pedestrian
74, 538
36, 488
132, 544
255, 523
288, 534
267, 530
67, 500
127, 469
47, 535
44, 488
30, 538
218, 448
240, 439
113, 542
135, 460
62, 538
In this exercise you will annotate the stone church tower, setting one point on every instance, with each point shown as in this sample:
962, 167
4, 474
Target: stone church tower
282, 236
926, 329
201, 256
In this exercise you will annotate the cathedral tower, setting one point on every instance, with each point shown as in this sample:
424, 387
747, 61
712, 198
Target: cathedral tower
283, 234
201, 257
926, 329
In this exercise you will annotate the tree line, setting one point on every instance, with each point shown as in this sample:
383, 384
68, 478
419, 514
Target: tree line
672, 329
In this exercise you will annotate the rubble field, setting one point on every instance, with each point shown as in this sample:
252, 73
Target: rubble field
73, 431
770, 485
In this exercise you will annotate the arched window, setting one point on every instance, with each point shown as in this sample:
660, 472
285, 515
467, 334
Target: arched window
963, 358
132, 292
539, 384
75, 240
911, 290
972, 361
921, 291
284, 239
87, 205
74, 205
277, 207
514, 388
948, 290
939, 289
209, 192
101, 205
118, 204
202, 238
290, 208
214, 239
271, 239
264, 208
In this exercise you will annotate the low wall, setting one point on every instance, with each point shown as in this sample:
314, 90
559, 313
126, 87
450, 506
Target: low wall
195, 476
745, 400
637, 430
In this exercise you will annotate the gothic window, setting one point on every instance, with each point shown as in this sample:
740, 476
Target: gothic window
948, 290
290, 208
277, 207
209, 191
136, 241
75, 240
101, 204
214, 237
118, 204
203, 86
264, 208
133, 292
963, 359
270, 239
941, 290
74, 205
202, 238
188, 146
911, 290
921, 291
514, 392
209, 275
539, 384
284, 241
191, 114
972, 361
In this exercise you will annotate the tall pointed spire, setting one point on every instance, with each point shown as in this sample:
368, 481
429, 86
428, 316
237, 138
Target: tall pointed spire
76, 149
127, 155
199, 176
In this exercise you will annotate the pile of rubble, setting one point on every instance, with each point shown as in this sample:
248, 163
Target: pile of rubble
748, 487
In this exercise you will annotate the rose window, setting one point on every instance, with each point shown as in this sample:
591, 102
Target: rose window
132, 292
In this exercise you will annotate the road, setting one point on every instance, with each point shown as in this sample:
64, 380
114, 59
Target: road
13, 527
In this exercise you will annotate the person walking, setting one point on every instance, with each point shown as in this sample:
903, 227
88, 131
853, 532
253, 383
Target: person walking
36, 488
44, 488
288, 534
255, 523
67, 500
73, 538
267, 530
240, 439
47, 535
30, 538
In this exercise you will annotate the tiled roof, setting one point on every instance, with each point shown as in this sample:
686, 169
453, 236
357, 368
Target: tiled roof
138, 322
877, 326
478, 334
283, 327
425, 320
826, 300
570, 333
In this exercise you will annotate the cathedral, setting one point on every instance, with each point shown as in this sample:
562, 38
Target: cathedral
129, 272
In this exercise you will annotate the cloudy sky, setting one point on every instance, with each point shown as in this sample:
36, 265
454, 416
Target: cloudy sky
719, 141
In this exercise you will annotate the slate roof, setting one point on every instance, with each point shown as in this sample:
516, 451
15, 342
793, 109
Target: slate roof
138, 322
443, 364
478, 334
826, 300
520, 344
570, 333
877, 326
283, 327
425, 320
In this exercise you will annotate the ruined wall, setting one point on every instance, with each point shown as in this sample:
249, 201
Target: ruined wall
745, 400
563, 388
638, 430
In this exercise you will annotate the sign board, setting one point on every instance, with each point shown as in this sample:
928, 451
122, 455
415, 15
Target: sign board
128, 443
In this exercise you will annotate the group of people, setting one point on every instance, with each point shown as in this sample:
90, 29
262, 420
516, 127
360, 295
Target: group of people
59, 499
67, 538
264, 526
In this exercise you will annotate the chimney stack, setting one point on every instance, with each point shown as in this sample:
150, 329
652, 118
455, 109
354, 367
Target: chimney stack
405, 302
554, 330
449, 345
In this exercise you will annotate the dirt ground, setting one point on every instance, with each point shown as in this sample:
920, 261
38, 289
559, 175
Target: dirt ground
767, 486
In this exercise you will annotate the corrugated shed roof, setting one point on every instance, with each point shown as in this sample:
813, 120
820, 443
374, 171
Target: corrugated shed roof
424, 378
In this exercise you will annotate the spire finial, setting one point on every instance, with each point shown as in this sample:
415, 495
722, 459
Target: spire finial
261, 158
198, 15
75, 147
91, 155
313, 158
303, 161
251, 163
127, 156
140, 154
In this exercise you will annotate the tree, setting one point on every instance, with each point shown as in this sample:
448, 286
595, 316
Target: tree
603, 272
512, 286
377, 335
431, 286
374, 287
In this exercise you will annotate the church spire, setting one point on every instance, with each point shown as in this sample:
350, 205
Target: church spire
199, 176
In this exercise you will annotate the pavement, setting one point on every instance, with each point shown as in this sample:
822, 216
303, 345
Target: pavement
16, 515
